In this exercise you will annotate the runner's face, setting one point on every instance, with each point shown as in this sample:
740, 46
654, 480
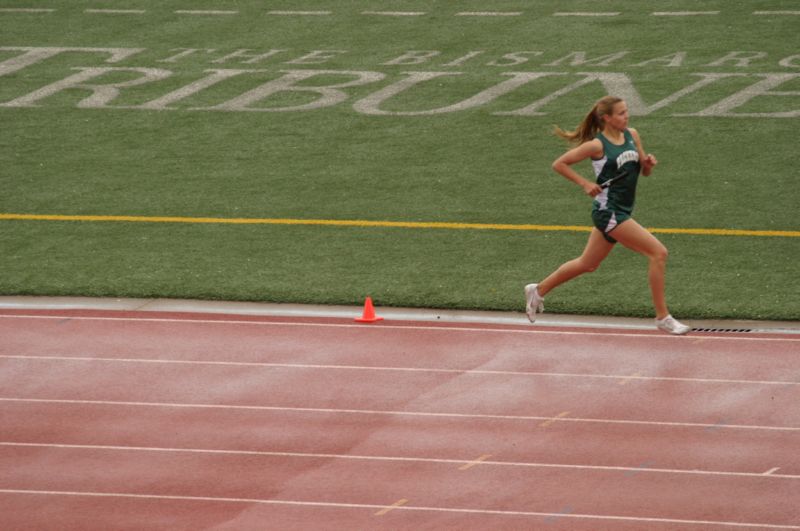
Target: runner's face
618, 119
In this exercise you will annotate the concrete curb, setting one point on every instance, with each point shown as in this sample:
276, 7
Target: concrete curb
398, 314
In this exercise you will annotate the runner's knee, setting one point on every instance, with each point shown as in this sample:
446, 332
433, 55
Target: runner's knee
588, 266
660, 254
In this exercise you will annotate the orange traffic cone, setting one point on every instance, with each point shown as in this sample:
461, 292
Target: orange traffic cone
369, 313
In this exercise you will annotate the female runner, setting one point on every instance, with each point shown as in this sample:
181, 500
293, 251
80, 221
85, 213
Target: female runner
617, 158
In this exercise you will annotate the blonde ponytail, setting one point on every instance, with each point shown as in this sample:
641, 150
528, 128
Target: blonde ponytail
592, 122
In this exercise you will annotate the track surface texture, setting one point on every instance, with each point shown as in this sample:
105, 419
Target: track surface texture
174, 420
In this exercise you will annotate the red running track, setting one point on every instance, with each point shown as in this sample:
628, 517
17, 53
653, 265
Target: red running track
125, 420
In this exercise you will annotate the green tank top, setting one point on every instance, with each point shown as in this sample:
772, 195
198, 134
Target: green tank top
621, 194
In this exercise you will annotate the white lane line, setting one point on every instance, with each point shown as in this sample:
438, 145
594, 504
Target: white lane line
531, 330
776, 13
634, 376
683, 13
560, 416
25, 10
465, 463
429, 414
205, 12
375, 507
396, 505
771, 471
300, 13
624, 379
474, 462
116, 11
489, 14
395, 13
586, 14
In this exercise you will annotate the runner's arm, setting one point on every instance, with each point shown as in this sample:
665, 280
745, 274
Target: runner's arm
590, 149
648, 161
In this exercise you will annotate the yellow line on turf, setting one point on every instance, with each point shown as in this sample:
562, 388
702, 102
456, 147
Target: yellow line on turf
383, 224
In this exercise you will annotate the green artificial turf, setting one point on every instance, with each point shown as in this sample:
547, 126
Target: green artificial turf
481, 164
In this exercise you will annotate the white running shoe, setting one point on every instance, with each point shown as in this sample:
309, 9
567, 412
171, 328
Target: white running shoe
533, 302
672, 325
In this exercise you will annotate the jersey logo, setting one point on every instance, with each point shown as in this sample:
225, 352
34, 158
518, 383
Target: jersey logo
627, 156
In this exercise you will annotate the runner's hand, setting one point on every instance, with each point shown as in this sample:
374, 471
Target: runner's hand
591, 189
649, 163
